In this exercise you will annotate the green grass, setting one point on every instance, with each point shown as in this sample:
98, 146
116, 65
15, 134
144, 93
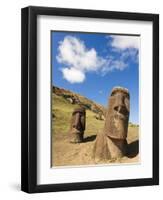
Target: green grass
133, 125
62, 109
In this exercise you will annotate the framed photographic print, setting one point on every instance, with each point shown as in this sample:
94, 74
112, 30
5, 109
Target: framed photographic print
90, 99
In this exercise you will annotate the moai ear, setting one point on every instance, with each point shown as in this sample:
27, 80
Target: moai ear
83, 121
127, 103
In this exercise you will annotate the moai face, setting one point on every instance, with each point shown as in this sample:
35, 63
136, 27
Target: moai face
117, 116
78, 124
78, 119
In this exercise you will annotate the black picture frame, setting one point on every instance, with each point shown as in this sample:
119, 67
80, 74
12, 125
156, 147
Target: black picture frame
29, 99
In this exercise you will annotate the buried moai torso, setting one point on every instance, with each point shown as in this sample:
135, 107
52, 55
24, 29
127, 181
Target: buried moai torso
111, 142
117, 116
77, 126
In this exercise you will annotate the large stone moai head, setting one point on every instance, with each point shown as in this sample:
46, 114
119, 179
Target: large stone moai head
112, 143
77, 126
117, 116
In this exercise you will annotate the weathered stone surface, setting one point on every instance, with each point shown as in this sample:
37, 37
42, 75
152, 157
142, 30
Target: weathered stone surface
101, 150
77, 126
116, 127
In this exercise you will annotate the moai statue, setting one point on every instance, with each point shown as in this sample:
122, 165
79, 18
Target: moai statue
77, 126
99, 116
111, 143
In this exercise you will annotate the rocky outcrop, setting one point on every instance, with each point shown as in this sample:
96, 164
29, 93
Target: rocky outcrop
78, 99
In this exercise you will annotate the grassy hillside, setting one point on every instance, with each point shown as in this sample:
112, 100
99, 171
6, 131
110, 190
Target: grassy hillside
62, 111
63, 104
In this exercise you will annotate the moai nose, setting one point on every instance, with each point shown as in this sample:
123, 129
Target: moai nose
119, 102
119, 108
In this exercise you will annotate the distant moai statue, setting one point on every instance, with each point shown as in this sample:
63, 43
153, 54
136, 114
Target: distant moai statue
112, 143
77, 126
99, 116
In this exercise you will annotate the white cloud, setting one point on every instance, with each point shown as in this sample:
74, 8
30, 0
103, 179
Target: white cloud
112, 65
124, 42
73, 53
126, 47
131, 53
73, 75
78, 60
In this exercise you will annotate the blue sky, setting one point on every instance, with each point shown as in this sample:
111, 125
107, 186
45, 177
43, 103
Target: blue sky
92, 64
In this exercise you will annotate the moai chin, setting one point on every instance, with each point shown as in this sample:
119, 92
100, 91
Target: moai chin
111, 143
77, 126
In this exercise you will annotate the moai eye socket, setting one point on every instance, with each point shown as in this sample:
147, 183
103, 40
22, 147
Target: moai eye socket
113, 93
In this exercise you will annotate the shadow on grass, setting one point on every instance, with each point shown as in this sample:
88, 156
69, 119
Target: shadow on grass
133, 149
89, 138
